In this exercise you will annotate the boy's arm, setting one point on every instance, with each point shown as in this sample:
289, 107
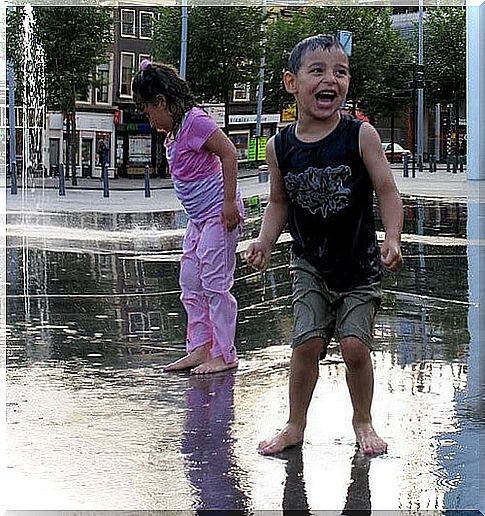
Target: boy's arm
390, 204
275, 215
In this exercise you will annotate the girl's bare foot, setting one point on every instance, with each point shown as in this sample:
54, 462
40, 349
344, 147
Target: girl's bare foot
290, 435
368, 441
193, 359
214, 365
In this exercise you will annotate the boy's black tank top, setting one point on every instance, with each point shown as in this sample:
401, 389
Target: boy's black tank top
331, 216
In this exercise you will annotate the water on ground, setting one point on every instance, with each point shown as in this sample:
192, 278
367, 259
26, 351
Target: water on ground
93, 423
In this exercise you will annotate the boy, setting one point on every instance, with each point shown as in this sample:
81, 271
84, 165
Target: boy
324, 169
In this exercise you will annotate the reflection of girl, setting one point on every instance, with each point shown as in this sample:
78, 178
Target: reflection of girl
203, 165
207, 443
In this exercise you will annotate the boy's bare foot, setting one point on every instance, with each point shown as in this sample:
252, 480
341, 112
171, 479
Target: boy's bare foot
193, 359
214, 365
368, 441
289, 435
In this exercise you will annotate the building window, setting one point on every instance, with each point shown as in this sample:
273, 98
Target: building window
127, 66
127, 23
85, 97
241, 93
102, 91
146, 24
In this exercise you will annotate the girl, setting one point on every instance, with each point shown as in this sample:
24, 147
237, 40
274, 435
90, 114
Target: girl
203, 165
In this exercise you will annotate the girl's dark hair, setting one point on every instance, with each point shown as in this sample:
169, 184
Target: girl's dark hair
157, 79
323, 41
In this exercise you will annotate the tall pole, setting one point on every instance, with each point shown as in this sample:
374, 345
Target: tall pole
183, 41
11, 121
475, 89
262, 66
420, 99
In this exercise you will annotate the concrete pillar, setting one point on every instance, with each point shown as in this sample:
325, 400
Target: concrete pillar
475, 15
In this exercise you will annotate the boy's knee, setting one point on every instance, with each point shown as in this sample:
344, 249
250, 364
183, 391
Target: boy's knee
354, 351
311, 349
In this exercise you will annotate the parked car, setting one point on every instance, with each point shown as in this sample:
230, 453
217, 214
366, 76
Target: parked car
399, 151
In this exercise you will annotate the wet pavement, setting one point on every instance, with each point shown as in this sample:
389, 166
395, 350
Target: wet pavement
93, 423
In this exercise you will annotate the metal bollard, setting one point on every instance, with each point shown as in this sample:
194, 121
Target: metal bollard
62, 180
432, 163
147, 181
263, 174
13, 178
105, 180
405, 165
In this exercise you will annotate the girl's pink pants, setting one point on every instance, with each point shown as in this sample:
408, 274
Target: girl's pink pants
206, 277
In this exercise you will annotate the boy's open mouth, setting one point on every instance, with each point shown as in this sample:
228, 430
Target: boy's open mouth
325, 96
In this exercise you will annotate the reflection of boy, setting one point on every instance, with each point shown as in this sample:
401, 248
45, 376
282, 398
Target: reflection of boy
323, 170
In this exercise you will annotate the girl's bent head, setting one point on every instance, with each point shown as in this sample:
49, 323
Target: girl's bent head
320, 41
156, 82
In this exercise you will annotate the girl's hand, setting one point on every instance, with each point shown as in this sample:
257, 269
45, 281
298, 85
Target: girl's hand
230, 215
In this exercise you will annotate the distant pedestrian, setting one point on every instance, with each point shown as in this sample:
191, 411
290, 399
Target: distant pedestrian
324, 169
203, 165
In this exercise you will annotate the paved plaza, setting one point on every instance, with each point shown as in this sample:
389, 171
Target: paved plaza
93, 313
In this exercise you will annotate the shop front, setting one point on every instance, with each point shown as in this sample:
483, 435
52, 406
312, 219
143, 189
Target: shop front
93, 144
242, 132
138, 146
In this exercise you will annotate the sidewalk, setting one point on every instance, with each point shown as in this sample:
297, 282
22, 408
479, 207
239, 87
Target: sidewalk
128, 195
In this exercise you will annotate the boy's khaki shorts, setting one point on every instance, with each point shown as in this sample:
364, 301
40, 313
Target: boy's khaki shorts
321, 312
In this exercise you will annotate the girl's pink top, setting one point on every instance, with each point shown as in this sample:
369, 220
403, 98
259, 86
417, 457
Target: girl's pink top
187, 158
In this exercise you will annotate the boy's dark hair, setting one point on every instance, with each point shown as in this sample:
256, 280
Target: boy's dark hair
323, 41
160, 79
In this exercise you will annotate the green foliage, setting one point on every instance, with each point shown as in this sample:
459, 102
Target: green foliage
445, 53
223, 47
376, 49
75, 40
282, 36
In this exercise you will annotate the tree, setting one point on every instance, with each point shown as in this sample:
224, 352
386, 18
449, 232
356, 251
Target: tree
224, 48
282, 35
376, 48
445, 57
75, 40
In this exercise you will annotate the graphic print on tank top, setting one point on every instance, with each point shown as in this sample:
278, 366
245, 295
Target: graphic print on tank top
318, 189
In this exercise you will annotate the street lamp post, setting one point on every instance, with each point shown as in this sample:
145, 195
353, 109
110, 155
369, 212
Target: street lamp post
183, 41
11, 122
262, 66
420, 92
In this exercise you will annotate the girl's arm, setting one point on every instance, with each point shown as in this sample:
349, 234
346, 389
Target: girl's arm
218, 143
390, 204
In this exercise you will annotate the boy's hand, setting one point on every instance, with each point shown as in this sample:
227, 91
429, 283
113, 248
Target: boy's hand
391, 257
258, 256
230, 215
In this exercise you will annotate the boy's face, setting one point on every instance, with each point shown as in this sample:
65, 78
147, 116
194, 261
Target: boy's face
321, 84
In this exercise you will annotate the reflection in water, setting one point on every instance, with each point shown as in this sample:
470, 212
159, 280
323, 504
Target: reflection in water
295, 496
207, 443
294, 493
358, 494
84, 307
